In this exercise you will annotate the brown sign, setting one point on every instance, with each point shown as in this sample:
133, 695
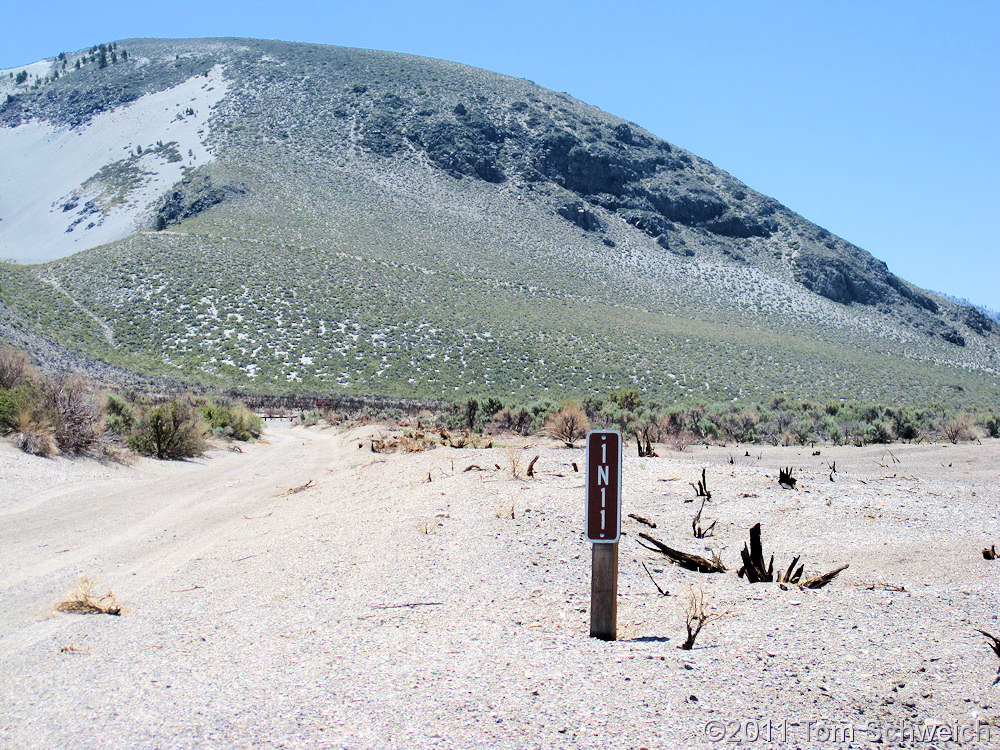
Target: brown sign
604, 485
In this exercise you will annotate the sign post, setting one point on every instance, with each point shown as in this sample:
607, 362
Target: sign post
604, 505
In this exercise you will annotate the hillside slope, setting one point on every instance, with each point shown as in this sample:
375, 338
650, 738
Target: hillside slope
357, 221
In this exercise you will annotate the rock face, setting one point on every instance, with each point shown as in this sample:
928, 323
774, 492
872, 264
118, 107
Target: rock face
581, 216
193, 195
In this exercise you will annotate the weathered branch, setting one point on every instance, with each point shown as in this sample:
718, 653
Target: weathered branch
696, 563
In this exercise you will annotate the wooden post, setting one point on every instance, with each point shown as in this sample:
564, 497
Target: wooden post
604, 592
604, 511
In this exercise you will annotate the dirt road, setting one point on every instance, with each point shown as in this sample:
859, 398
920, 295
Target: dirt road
402, 601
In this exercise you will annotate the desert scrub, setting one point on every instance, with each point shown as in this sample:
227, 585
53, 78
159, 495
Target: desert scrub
170, 430
231, 420
74, 412
34, 435
120, 416
13, 403
569, 424
16, 369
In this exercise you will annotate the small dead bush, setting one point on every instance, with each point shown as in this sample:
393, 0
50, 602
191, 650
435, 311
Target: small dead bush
76, 414
15, 369
697, 614
34, 436
514, 457
569, 424
679, 440
82, 601
960, 429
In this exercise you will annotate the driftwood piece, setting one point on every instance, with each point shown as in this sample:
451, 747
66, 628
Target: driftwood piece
696, 563
642, 520
785, 478
818, 582
531, 467
700, 489
990, 553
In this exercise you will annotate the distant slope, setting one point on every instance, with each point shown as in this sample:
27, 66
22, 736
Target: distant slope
379, 223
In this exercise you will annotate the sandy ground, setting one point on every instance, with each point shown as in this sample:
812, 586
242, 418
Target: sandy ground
46, 166
377, 609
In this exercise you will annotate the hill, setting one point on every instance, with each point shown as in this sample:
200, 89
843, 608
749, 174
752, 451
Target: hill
298, 218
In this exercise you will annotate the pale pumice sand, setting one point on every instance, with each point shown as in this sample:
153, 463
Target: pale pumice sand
377, 609
33, 223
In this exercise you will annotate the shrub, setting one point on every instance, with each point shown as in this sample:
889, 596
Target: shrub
960, 428
12, 403
120, 416
226, 419
628, 399
878, 432
491, 407
992, 425
171, 430
569, 424
517, 420
16, 369
34, 436
75, 415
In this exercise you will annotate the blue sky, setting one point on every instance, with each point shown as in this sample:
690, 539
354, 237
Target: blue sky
878, 120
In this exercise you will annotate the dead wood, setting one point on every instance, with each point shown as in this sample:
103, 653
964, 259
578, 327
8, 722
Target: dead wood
696, 563
818, 582
83, 602
994, 643
785, 478
754, 571
753, 560
300, 488
531, 467
643, 520
883, 586
645, 450
663, 592
990, 553
700, 489
699, 532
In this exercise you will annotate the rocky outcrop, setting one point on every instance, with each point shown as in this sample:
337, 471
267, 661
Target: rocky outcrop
584, 218
194, 195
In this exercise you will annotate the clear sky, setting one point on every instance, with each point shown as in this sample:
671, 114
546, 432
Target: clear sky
878, 120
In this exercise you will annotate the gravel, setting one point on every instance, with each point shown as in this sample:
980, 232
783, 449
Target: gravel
377, 609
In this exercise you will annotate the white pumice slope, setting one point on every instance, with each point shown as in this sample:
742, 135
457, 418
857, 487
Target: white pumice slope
46, 211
